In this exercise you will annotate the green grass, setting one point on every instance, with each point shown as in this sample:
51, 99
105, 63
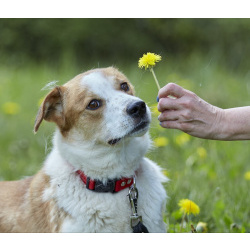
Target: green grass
210, 173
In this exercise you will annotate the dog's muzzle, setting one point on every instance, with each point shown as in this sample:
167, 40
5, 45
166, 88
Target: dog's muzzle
138, 112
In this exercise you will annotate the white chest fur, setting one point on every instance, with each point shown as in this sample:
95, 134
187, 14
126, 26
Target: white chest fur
89, 211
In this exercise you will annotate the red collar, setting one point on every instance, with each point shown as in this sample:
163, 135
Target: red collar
112, 186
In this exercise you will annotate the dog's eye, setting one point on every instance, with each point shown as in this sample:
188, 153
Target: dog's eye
124, 87
94, 104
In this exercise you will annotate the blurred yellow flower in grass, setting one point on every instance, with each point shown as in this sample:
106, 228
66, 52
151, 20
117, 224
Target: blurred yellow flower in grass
182, 139
202, 152
11, 108
155, 110
148, 61
247, 176
201, 227
188, 207
161, 142
165, 172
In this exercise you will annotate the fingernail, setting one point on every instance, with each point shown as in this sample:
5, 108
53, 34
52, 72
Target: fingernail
157, 99
160, 124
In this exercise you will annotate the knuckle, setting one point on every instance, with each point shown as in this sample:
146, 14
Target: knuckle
188, 103
186, 114
192, 95
168, 87
172, 86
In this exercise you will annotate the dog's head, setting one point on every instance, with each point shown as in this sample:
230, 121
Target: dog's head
98, 105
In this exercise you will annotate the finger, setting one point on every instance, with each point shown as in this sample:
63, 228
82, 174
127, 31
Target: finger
170, 124
169, 104
183, 126
171, 89
169, 115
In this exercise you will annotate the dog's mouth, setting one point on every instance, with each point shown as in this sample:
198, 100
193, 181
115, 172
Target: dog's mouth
139, 128
114, 141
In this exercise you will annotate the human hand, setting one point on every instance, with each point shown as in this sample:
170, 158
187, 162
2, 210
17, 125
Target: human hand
184, 110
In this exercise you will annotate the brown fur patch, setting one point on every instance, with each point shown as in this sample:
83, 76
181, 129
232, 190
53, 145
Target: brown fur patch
23, 210
119, 78
51, 108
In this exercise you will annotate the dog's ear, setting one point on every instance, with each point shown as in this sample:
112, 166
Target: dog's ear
51, 109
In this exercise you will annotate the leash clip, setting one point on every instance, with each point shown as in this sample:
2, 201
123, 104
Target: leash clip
133, 197
135, 219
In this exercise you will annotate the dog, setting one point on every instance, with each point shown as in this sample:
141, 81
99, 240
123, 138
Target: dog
96, 160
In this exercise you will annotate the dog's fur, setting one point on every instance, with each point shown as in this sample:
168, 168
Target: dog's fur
55, 199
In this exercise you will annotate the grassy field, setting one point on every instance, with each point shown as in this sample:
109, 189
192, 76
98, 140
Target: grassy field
212, 174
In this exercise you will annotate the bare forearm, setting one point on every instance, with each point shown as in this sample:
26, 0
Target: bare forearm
234, 124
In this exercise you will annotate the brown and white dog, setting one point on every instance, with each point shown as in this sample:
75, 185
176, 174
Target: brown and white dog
101, 136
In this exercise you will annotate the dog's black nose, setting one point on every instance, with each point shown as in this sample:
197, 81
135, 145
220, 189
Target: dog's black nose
137, 109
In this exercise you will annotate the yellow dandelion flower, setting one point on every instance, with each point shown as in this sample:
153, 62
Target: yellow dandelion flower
188, 207
247, 176
182, 139
202, 152
201, 227
11, 108
161, 142
148, 61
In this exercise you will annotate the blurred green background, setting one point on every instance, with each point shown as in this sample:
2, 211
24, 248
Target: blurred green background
123, 40
207, 56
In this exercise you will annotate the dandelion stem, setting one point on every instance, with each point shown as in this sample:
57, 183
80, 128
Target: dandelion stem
156, 81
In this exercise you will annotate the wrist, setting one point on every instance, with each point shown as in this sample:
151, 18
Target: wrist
218, 130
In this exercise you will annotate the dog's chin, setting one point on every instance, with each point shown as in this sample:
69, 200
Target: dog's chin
139, 130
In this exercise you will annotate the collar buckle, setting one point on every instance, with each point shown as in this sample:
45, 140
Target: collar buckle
104, 188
